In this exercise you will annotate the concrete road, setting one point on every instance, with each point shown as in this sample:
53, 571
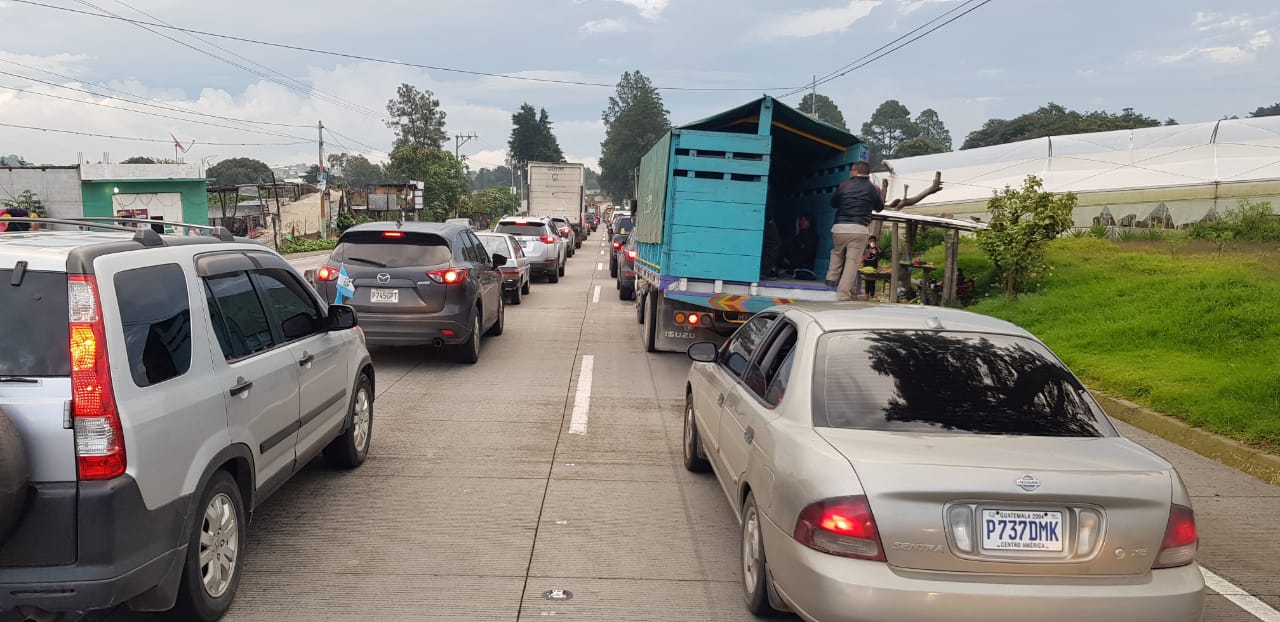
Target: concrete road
481, 497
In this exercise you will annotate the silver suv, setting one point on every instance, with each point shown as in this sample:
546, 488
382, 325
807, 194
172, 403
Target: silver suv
547, 250
154, 390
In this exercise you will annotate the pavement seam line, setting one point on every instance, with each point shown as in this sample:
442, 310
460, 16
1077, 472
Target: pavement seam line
555, 451
1239, 597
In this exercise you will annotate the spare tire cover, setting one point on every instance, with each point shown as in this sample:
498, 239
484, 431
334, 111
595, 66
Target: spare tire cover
13, 476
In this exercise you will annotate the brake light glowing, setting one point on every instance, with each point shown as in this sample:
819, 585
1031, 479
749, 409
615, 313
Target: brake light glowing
1181, 539
617, 245
392, 234
631, 253
327, 273
693, 319
99, 439
452, 276
546, 239
842, 526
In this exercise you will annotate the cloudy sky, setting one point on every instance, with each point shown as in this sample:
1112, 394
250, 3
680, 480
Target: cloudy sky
1190, 60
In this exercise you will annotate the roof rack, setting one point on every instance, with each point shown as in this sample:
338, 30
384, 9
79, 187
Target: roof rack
142, 235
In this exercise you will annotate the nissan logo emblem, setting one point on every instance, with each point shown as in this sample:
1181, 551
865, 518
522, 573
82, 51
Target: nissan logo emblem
1028, 483
384, 278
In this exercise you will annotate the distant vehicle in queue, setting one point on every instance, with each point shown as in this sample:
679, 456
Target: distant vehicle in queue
620, 238
416, 283
888, 462
565, 230
545, 249
626, 280
462, 222
515, 273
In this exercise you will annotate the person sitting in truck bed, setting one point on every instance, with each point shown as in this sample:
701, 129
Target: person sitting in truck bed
800, 254
854, 202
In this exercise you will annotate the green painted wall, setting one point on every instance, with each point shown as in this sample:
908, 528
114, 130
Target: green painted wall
195, 201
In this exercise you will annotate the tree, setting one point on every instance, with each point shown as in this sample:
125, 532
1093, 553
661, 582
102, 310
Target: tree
312, 176
1054, 120
919, 146
531, 137
890, 125
416, 118
822, 108
634, 121
495, 203
591, 179
441, 173
1022, 224
27, 200
931, 127
239, 172
485, 179
139, 160
1266, 111
359, 172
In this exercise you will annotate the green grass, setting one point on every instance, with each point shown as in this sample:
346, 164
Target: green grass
1167, 324
307, 246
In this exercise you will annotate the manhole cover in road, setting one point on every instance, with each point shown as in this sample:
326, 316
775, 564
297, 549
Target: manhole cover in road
557, 595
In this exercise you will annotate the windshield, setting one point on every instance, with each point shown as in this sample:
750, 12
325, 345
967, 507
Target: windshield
34, 339
495, 244
529, 230
623, 226
370, 248
961, 383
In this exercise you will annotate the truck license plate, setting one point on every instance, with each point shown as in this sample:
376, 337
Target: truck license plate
391, 296
1021, 530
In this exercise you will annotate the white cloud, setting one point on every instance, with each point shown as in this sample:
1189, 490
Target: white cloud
819, 22
1216, 21
58, 63
599, 26
907, 7
649, 9
1223, 54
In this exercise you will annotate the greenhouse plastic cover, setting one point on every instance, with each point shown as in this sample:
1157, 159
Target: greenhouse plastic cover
1190, 170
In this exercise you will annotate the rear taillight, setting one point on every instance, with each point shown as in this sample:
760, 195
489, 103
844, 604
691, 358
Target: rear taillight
393, 234
617, 245
98, 435
546, 239
452, 276
631, 254
327, 273
510, 271
1181, 539
842, 526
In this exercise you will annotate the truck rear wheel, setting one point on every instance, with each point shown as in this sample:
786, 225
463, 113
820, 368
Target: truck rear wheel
650, 324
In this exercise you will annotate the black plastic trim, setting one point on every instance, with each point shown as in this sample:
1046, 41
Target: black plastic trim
319, 410
279, 437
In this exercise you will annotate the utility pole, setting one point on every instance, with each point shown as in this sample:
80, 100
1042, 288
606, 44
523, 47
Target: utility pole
458, 141
324, 187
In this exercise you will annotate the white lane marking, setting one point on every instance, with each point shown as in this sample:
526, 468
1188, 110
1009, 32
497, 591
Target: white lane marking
599, 266
582, 399
602, 252
595, 298
1241, 598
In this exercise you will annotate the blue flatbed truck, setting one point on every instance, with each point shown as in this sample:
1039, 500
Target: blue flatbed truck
703, 194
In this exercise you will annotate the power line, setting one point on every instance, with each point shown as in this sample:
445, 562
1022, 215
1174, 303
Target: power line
319, 94
366, 146
168, 141
872, 57
374, 59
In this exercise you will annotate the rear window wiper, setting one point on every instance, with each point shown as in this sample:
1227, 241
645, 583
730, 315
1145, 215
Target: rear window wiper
376, 264
17, 380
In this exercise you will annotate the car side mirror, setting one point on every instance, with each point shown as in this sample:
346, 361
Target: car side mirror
703, 352
499, 260
341, 317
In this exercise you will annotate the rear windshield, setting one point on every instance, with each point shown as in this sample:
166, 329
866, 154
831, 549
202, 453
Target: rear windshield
961, 383
34, 339
372, 248
530, 230
623, 226
495, 244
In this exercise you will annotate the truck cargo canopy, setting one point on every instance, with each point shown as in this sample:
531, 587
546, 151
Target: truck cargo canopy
746, 119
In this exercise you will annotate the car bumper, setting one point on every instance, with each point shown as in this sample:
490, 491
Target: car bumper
388, 329
512, 283
543, 268
124, 550
825, 587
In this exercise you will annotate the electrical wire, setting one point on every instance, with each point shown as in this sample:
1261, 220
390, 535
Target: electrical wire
374, 59
168, 141
350, 139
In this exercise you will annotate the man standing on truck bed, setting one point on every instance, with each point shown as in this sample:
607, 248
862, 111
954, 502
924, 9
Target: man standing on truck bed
853, 201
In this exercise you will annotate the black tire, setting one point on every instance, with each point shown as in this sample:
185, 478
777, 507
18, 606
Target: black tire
195, 602
561, 270
469, 351
613, 267
554, 276
617, 284
516, 296
527, 287
351, 448
626, 293
695, 459
13, 476
499, 324
640, 309
651, 322
755, 592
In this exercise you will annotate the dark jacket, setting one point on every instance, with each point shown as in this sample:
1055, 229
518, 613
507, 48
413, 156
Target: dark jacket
855, 200
802, 250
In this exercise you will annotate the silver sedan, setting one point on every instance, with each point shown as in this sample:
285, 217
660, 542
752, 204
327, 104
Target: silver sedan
902, 463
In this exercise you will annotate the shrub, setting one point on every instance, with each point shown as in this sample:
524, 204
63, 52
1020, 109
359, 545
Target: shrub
1022, 224
306, 246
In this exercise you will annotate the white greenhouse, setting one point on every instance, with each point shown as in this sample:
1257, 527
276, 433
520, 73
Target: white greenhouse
1162, 176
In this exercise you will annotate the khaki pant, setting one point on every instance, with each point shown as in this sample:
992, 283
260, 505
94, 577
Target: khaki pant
850, 242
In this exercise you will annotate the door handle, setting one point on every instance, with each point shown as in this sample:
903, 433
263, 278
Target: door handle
749, 434
242, 386
306, 360
720, 400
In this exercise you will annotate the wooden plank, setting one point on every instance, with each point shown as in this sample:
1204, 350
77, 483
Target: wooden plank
725, 241
949, 283
694, 265
715, 214
724, 141
895, 256
721, 165
722, 190
766, 118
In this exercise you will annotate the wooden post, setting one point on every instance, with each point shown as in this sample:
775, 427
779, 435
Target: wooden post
895, 280
950, 270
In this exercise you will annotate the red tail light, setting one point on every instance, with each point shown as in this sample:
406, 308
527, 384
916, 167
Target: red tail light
392, 234
510, 271
1181, 540
693, 319
98, 435
617, 245
327, 273
452, 276
546, 239
842, 526
565, 231
631, 254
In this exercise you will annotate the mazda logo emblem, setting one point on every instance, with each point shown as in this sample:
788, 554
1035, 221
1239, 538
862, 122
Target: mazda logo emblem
384, 278
1028, 483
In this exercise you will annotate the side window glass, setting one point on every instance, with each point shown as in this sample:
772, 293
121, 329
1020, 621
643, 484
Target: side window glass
238, 317
482, 255
737, 352
518, 249
156, 314
778, 388
293, 307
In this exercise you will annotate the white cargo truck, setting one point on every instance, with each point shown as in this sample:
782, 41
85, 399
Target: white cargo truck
556, 190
